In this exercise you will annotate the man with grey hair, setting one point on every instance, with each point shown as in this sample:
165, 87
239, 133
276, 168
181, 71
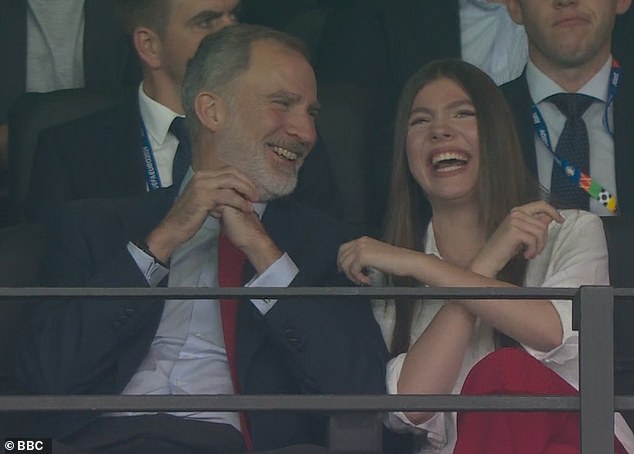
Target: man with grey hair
250, 98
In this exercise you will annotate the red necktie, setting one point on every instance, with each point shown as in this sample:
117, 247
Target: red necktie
231, 262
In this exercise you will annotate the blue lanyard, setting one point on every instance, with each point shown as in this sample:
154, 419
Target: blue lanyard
151, 169
584, 181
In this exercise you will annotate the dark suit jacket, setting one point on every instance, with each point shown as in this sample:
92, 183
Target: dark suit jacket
109, 61
301, 346
519, 99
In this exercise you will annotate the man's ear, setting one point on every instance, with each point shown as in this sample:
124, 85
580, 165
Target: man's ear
148, 46
210, 110
622, 6
515, 11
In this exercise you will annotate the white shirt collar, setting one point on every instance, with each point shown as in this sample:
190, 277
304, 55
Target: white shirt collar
156, 117
541, 86
482, 4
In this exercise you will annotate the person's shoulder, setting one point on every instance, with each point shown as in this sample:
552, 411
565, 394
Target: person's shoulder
515, 86
93, 125
103, 214
577, 223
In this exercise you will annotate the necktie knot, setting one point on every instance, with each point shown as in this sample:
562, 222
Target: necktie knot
572, 105
182, 158
179, 129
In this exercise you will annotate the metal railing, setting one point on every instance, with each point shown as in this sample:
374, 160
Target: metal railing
355, 424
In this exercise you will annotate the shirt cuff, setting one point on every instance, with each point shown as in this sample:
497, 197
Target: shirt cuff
280, 274
153, 271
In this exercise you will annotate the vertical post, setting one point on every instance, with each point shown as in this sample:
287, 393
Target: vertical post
596, 369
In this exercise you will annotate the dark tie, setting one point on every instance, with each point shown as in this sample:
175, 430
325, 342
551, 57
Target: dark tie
573, 147
231, 261
182, 158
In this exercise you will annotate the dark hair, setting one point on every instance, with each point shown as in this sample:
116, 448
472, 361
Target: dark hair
503, 181
153, 14
222, 57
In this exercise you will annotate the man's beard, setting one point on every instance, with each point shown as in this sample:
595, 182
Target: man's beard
250, 158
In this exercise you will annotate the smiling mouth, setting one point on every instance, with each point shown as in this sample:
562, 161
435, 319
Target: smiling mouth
571, 22
284, 153
448, 161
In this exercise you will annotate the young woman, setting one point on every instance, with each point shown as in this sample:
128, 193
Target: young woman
463, 212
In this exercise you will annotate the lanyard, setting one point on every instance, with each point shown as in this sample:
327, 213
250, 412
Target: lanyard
151, 169
576, 175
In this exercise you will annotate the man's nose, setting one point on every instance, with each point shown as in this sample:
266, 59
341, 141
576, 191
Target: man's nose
303, 127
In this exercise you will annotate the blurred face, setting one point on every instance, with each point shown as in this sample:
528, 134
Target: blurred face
568, 33
270, 125
442, 142
189, 22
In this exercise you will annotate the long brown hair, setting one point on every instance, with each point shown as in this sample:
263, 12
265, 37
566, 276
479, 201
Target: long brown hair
503, 181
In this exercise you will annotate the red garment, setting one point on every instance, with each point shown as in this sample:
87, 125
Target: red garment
513, 371
231, 262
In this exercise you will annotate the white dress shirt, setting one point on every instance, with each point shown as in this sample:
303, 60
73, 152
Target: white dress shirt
157, 119
491, 40
576, 254
188, 355
601, 142
54, 45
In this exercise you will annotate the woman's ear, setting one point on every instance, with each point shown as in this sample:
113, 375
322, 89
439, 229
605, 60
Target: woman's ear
148, 46
210, 110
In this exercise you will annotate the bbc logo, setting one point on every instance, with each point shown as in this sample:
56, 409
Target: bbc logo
30, 445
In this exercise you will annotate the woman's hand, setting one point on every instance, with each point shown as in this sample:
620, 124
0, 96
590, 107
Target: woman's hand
356, 258
524, 230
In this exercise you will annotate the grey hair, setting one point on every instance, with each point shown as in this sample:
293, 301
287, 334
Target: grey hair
224, 56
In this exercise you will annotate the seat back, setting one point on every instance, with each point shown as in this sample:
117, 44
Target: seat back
31, 114
21, 257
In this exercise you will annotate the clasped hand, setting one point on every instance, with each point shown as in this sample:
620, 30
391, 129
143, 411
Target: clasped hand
226, 194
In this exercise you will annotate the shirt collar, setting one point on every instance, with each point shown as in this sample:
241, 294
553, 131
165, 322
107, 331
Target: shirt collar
482, 4
156, 117
430, 241
541, 86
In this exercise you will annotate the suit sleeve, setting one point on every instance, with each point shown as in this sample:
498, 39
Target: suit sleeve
86, 346
327, 345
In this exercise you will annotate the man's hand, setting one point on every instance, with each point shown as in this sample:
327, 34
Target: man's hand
246, 232
209, 192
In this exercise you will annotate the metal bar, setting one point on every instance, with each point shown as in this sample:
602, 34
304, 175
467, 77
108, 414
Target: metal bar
326, 403
622, 403
37, 293
596, 369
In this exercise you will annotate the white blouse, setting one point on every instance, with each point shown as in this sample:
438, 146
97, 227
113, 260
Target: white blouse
575, 255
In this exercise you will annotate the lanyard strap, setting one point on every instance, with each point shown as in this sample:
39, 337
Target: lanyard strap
576, 175
152, 176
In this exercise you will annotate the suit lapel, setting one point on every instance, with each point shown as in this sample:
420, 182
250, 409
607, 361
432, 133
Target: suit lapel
519, 99
127, 157
624, 144
250, 326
